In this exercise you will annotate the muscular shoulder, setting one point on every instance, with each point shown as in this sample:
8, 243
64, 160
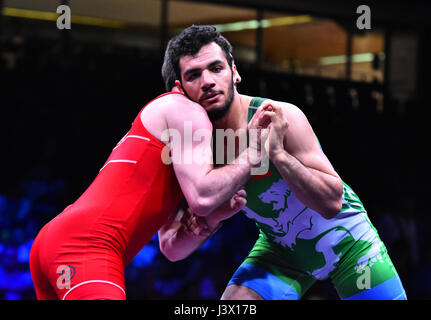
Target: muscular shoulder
177, 109
173, 111
300, 135
177, 103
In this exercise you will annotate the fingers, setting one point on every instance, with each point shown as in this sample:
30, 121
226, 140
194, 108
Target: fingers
192, 224
267, 105
197, 228
256, 121
239, 203
274, 114
271, 111
260, 119
262, 108
241, 193
265, 119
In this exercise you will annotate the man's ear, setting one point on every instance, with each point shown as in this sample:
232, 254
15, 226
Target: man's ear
236, 76
178, 86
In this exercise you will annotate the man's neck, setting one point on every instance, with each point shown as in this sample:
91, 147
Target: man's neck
237, 116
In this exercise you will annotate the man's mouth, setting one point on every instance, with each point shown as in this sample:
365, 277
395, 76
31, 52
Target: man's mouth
209, 97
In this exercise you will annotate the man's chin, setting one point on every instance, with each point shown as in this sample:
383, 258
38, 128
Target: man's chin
217, 113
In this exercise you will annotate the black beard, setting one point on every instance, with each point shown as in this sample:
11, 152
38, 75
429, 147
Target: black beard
219, 113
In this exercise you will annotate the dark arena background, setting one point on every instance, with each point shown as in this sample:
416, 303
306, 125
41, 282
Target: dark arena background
67, 96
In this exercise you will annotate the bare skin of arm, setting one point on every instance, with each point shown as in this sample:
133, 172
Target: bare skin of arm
189, 142
185, 232
293, 148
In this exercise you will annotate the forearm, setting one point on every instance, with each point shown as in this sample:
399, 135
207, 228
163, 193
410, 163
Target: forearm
179, 244
221, 183
185, 232
320, 191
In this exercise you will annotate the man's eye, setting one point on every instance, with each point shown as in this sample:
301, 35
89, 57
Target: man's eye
216, 69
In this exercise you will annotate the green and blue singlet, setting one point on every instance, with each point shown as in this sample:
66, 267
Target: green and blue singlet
297, 246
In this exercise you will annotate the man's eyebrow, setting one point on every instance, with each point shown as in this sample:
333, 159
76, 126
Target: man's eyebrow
188, 71
212, 64
216, 62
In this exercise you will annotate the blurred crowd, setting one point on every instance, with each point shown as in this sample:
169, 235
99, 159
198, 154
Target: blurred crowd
63, 111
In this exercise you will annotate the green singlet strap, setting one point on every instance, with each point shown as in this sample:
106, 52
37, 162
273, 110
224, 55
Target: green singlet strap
254, 104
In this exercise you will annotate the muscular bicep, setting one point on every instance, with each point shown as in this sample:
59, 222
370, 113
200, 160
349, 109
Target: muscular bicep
302, 143
190, 149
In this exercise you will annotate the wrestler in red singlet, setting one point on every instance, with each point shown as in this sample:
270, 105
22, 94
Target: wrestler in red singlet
82, 253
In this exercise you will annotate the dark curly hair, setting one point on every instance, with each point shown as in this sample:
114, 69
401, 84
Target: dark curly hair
188, 43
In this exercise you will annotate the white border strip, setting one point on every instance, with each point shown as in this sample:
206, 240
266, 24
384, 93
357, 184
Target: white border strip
138, 137
92, 281
131, 136
110, 161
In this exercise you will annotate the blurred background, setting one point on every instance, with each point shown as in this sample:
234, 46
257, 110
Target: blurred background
68, 96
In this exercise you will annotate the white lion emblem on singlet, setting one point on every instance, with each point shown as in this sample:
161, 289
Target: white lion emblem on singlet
291, 220
277, 195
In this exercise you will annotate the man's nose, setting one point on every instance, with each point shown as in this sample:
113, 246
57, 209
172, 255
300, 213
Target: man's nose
207, 80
